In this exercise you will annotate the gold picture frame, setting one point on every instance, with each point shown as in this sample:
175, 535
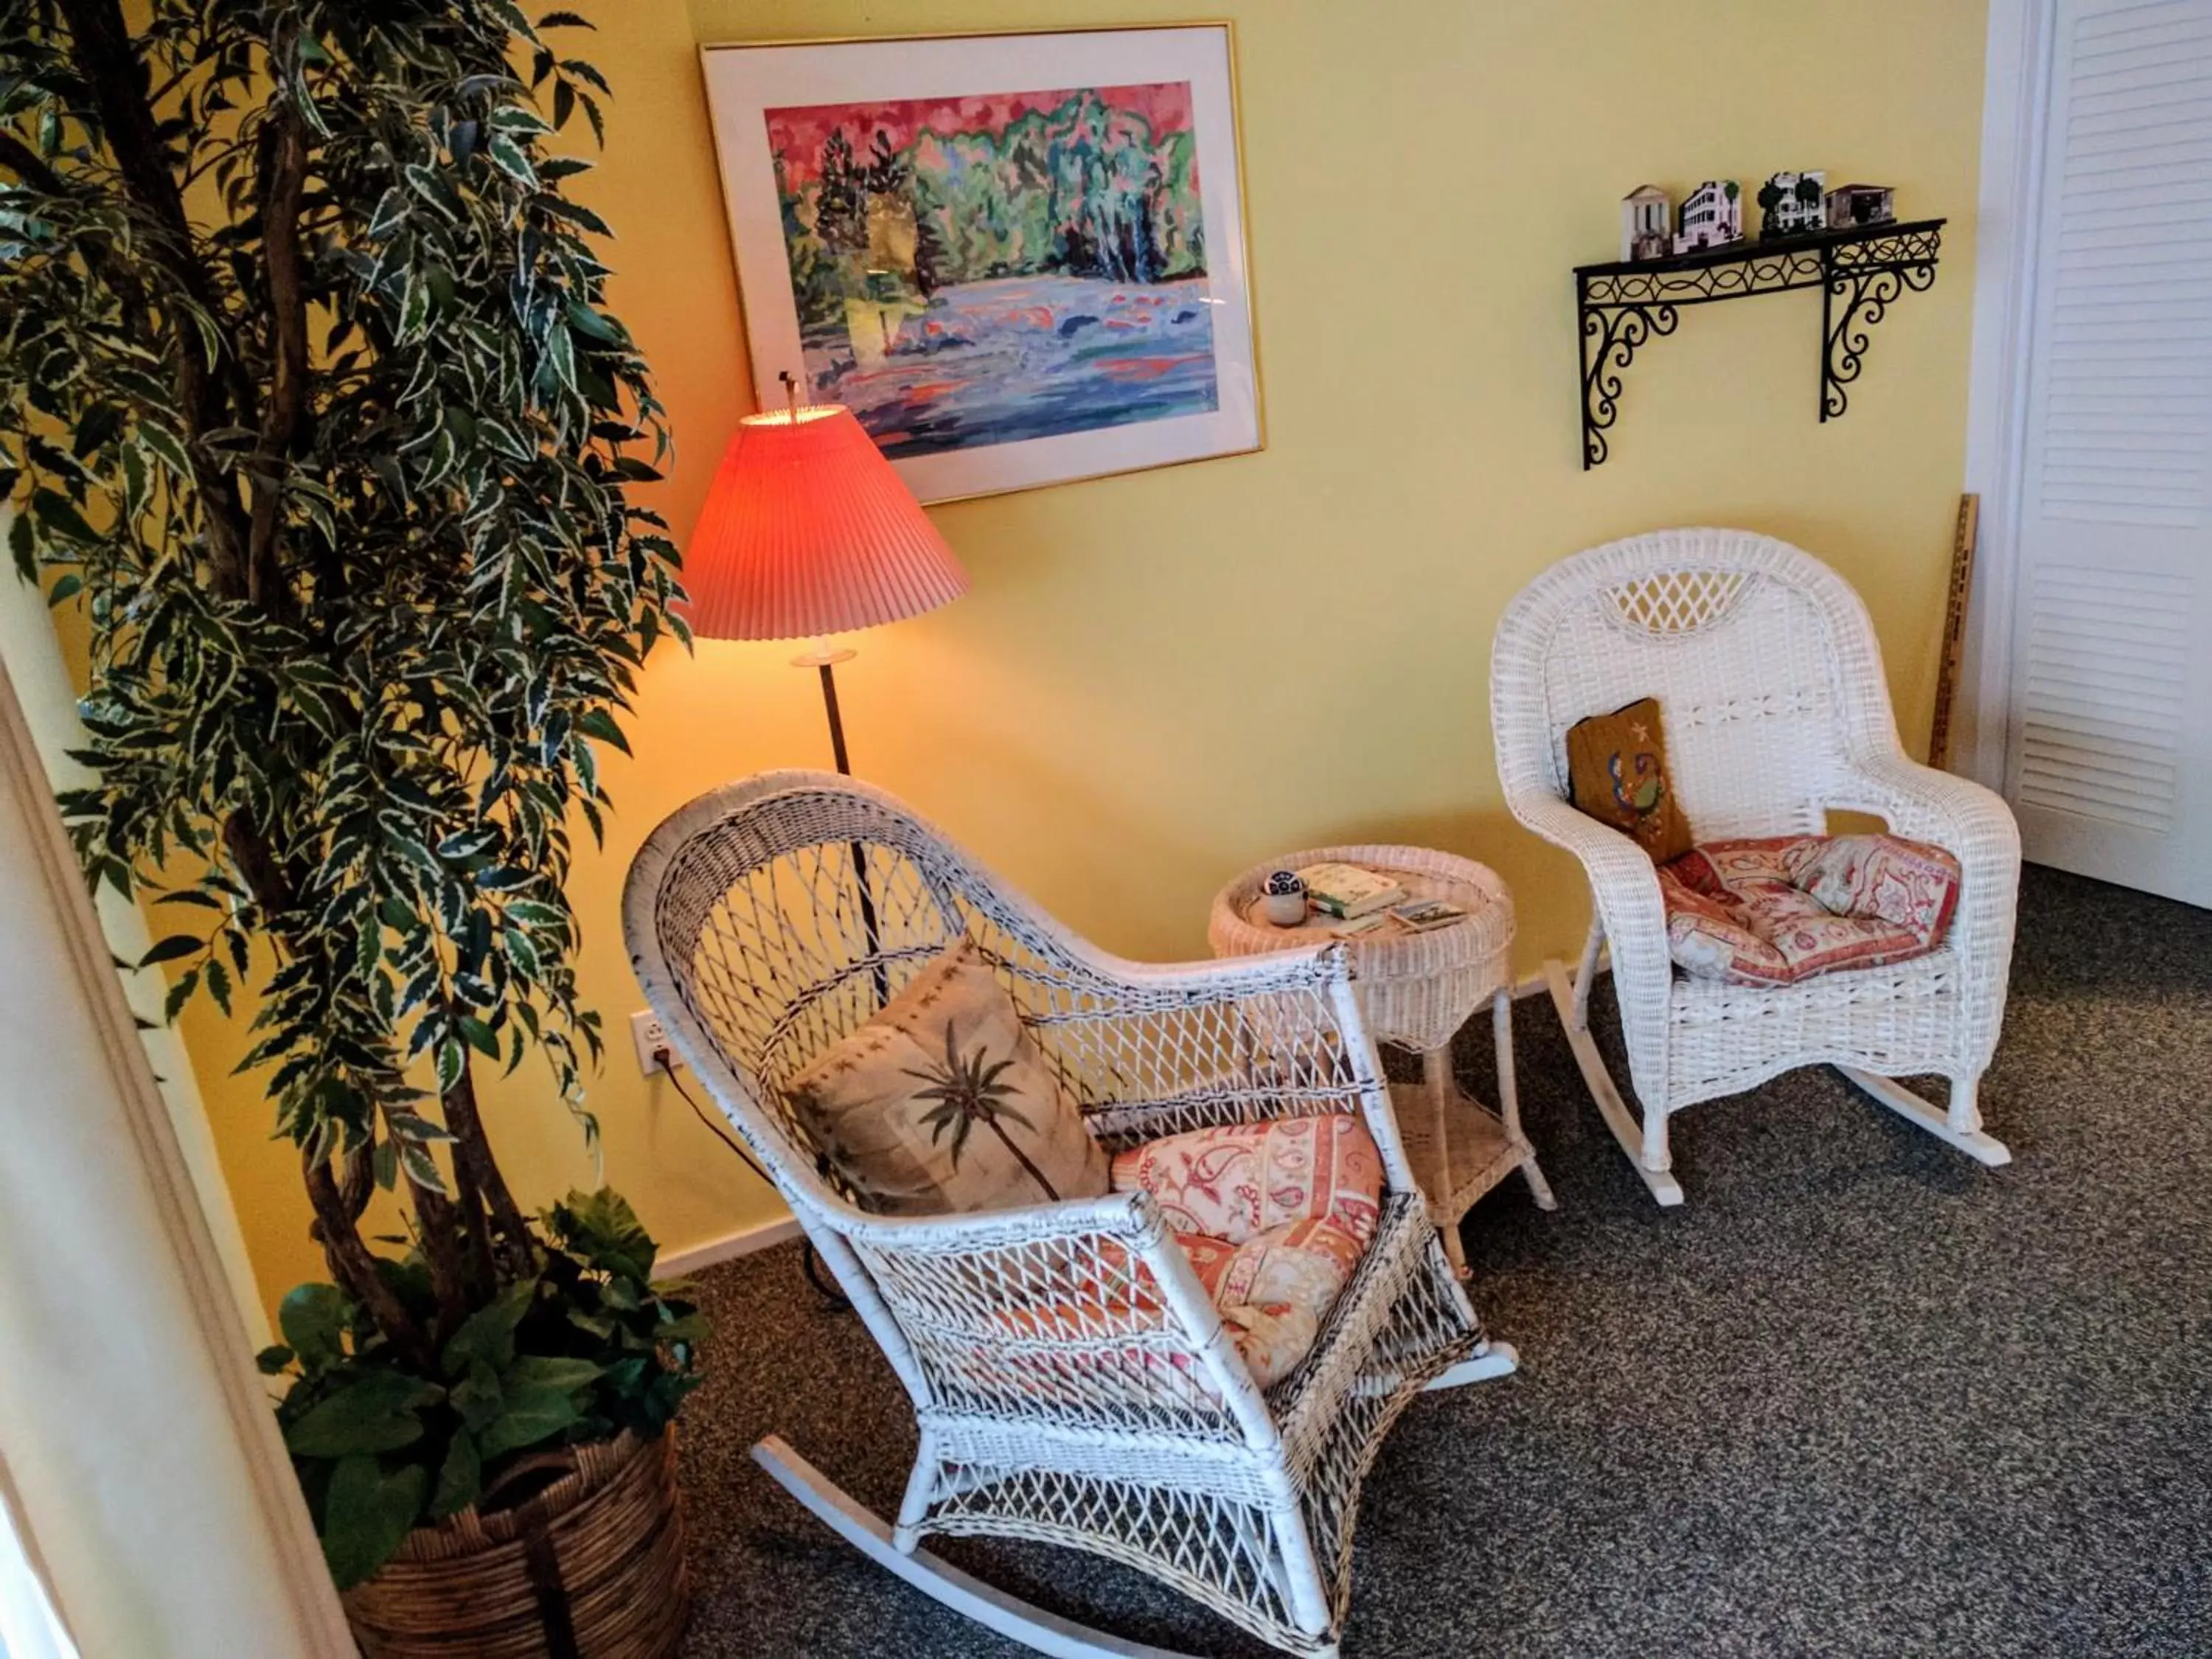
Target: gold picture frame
1022, 258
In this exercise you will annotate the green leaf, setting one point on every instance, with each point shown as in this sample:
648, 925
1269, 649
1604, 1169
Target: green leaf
366, 1515
508, 156
313, 1320
477, 1397
561, 356
191, 895
56, 512
176, 945
66, 589
372, 1411
390, 212
416, 1127
217, 978
451, 1060
432, 189
460, 1478
585, 320
421, 1169
691, 1328
273, 1361
602, 1224
166, 445
530, 1416
600, 724
489, 1333
534, 1370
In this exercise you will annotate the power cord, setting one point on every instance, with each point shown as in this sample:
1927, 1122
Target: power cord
809, 1263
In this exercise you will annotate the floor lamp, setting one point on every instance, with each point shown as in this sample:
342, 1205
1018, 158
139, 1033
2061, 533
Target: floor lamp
809, 531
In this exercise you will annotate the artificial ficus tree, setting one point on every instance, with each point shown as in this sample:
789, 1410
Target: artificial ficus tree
309, 398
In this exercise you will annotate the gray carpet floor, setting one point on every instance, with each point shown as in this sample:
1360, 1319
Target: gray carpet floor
1859, 1395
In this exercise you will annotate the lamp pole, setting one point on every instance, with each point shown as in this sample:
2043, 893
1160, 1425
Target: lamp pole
826, 660
809, 531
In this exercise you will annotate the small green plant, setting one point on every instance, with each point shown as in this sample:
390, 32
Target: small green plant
968, 1092
588, 1347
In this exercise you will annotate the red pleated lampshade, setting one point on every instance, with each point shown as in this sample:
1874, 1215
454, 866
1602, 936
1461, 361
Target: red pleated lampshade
808, 530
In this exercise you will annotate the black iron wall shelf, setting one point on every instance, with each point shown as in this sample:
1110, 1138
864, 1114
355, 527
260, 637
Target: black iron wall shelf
1860, 272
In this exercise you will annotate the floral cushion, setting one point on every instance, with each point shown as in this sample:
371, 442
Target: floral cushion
1778, 911
1273, 1217
1243, 1179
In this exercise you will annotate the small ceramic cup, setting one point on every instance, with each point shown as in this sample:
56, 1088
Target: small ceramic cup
1283, 898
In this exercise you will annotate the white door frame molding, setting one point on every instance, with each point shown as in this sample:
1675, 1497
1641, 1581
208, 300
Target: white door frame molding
138, 1435
2015, 107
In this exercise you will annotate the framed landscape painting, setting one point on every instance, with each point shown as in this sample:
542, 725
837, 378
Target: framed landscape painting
1018, 258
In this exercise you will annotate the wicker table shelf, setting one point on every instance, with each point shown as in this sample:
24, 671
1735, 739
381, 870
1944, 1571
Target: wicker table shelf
1417, 989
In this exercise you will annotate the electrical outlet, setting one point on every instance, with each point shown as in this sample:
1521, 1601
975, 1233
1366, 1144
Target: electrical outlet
650, 1037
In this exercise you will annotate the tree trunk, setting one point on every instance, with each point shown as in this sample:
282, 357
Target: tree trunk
355, 1268
513, 1247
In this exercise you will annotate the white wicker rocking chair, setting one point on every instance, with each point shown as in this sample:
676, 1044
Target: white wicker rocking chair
1770, 681
769, 918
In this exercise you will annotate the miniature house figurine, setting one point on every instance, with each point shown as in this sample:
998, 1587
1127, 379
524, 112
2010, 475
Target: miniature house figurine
1792, 204
1713, 217
1860, 204
1644, 213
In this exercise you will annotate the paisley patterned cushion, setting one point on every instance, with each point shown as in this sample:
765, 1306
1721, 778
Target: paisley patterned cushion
1274, 1217
1243, 1179
1776, 910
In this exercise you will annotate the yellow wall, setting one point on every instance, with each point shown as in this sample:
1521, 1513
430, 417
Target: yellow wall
1118, 717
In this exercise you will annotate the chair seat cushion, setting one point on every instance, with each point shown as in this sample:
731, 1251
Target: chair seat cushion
1273, 1217
1779, 909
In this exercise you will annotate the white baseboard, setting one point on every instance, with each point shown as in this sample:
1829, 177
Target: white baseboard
678, 1264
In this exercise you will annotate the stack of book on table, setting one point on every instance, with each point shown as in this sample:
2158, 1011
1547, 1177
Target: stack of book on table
1360, 901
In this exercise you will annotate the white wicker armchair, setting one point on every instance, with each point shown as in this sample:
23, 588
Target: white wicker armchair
1126, 1425
1767, 670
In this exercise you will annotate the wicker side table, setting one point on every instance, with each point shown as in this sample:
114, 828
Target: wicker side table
1416, 990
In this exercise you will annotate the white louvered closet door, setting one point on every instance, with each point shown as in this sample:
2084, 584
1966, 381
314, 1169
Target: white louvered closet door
2110, 761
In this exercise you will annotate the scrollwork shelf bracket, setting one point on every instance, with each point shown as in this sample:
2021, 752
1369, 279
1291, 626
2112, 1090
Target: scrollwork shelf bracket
1861, 272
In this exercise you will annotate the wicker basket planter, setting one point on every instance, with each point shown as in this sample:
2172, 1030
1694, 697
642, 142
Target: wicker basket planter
590, 1567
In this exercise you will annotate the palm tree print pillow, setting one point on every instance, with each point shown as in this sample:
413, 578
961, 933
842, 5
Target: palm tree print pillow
943, 1102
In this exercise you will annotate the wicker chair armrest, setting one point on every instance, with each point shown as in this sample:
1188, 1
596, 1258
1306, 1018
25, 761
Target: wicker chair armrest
1975, 827
1624, 889
1958, 815
1621, 874
1131, 1218
1221, 979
